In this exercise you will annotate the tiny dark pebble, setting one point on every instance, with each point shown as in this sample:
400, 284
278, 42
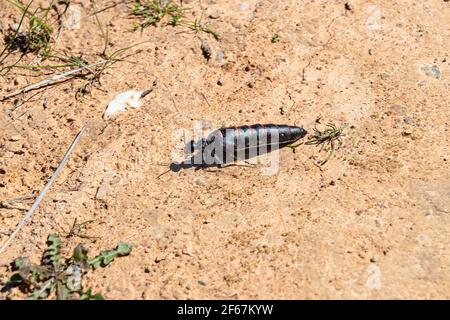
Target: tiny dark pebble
373, 259
2, 171
206, 50
220, 83
406, 133
147, 270
214, 15
200, 282
247, 68
348, 6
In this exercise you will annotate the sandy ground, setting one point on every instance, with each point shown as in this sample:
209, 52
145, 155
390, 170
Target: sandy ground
374, 222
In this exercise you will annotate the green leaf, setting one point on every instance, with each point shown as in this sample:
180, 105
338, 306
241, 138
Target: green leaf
74, 278
107, 256
43, 291
53, 253
15, 279
20, 262
79, 257
89, 296
62, 293
28, 272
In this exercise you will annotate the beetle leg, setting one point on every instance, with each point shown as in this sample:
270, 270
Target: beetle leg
330, 153
294, 146
249, 165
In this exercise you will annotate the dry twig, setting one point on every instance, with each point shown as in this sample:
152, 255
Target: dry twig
44, 191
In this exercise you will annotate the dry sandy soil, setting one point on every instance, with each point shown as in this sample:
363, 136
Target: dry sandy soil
374, 222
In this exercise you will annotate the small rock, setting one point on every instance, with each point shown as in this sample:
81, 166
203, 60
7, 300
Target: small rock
105, 186
219, 55
348, 6
407, 133
407, 120
15, 138
431, 70
15, 27
243, 6
199, 182
120, 103
214, 15
206, 50
381, 205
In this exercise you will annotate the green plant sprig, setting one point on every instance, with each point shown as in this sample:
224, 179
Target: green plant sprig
61, 276
37, 37
154, 11
326, 139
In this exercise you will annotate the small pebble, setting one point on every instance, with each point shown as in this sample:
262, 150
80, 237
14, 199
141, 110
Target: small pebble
206, 50
199, 182
407, 120
15, 138
15, 26
200, 282
243, 6
431, 70
214, 15
219, 55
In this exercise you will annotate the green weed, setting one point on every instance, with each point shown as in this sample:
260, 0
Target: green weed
60, 276
326, 139
37, 32
152, 12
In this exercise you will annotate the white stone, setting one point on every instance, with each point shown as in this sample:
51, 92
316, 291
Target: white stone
122, 101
